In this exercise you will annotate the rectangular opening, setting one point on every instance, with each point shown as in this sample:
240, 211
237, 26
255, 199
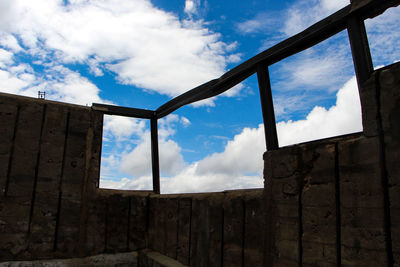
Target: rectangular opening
315, 93
216, 147
126, 154
384, 37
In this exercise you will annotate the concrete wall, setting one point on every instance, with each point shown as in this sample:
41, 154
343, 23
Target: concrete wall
325, 203
50, 205
336, 201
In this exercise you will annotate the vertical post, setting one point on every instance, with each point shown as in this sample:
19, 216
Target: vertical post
154, 155
267, 106
360, 49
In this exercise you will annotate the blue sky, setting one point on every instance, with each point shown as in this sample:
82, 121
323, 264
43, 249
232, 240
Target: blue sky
142, 53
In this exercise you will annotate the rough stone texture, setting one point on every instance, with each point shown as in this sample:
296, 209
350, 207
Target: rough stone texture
184, 223
255, 227
318, 201
362, 224
48, 182
50, 204
389, 81
285, 189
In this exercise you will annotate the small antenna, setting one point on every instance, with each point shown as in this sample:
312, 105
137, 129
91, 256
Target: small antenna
41, 95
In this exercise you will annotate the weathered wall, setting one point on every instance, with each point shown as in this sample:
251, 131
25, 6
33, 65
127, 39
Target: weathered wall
337, 201
214, 229
50, 206
325, 203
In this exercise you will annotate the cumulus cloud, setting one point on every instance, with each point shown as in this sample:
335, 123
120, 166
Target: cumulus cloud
145, 46
342, 118
123, 127
240, 165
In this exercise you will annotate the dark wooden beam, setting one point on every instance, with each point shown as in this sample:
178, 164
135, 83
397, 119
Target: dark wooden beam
267, 106
154, 155
360, 49
124, 111
199, 93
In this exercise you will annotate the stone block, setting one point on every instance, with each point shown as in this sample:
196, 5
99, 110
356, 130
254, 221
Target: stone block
67, 244
322, 195
184, 222
207, 219
254, 232
26, 149
138, 223
319, 254
117, 224
287, 250
96, 226
8, 113
285, 190
284, 162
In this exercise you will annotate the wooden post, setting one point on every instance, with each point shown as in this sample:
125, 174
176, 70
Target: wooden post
360, 49
154, 155
267, 106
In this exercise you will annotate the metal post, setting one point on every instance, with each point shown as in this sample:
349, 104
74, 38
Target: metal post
360, 49
267, 106
154, 155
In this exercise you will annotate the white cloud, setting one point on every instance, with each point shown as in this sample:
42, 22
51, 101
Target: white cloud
10, 42
190, 7
185, 121
143, 45
263, 22
59, 82
343, 118
137, 162
123, 127
384, 36
332, 6
242, 155
304, 13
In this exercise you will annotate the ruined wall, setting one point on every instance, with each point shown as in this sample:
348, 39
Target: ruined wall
336, 201
214, 229
50, 206
325, 203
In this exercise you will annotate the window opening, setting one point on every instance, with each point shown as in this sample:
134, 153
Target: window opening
315, 93
126, 154
384, 37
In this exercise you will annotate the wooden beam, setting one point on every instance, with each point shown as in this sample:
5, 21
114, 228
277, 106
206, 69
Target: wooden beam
124, 111
360, 49
199, 93
267, 106
154, 155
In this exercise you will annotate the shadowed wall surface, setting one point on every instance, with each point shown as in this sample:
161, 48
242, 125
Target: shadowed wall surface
325, 203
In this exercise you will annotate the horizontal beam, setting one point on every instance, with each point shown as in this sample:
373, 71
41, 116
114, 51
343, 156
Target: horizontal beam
313, 35
199, 93
124, 111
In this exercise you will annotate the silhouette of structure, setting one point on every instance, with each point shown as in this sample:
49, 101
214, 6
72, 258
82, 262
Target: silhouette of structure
329, 202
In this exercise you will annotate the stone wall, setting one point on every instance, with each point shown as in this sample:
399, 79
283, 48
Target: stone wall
336, 201
326, 203
50, 205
